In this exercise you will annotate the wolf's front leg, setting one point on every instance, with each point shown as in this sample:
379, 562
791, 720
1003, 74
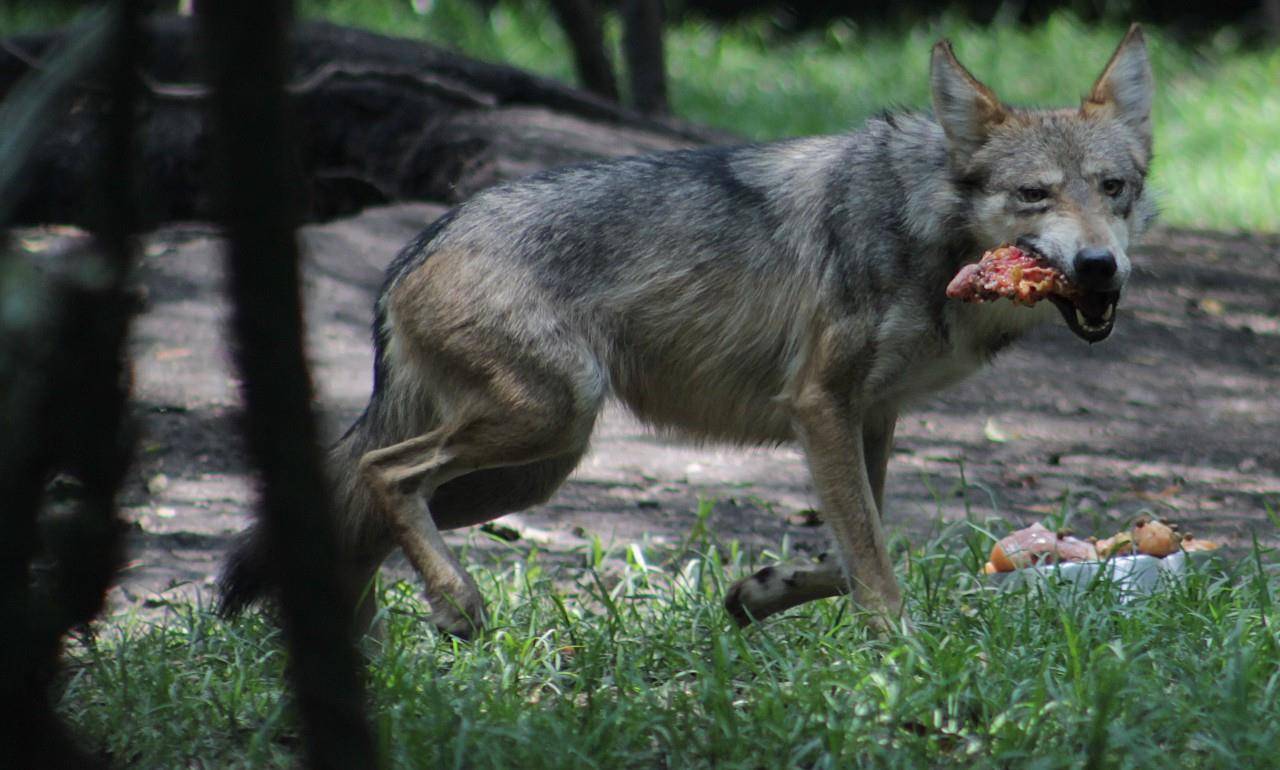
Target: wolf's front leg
780, 587
877, 445
831, 432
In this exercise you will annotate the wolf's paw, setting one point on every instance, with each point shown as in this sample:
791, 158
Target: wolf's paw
736, 606
885, 616
886, 624
461, 615
760, 595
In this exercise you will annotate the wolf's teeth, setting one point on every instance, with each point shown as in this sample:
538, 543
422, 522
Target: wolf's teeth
1080, 318
1109, 312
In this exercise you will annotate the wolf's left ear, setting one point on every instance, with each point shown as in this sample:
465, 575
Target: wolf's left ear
965, 108
1125, 88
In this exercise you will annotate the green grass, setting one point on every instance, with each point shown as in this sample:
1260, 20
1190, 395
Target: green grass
1217, 115
28, 17
644, 670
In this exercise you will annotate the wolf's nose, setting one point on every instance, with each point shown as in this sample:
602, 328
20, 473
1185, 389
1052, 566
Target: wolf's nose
1094, 267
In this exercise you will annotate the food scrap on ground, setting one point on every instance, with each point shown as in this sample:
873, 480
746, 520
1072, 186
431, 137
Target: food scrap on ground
1037, 544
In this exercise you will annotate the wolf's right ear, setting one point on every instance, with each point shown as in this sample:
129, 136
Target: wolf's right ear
965, 108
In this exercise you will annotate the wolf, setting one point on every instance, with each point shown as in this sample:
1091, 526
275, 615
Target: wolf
791, 291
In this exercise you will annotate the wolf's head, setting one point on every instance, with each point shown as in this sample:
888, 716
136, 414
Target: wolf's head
1067, 184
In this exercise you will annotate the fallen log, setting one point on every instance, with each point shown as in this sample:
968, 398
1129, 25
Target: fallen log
378, 119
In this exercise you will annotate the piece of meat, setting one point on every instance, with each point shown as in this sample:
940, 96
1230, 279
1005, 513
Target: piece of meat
1037, 545
1119, 544
1151, 537
1154, 537
1192, 544
1010, 272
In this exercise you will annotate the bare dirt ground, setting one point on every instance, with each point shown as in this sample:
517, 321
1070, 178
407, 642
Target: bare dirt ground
1177, 414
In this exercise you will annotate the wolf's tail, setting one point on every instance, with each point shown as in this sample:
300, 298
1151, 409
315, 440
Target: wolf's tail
247, 576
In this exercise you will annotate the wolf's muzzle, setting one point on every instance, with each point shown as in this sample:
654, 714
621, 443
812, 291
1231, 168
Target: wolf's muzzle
1090, 310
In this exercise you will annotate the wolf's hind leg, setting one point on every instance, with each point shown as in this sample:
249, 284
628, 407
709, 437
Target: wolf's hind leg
358, 573
485, 495
395, 474
877, 442
506, 415
508, 383
404, 475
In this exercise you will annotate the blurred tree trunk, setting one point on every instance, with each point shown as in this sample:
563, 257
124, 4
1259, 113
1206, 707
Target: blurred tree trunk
580, 20
642, 30
64, 391
642, 22
247, 48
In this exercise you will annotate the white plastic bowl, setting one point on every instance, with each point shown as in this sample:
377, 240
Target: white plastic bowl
1134, 575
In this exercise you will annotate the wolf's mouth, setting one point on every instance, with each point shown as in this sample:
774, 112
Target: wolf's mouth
1025, 276
1090, 315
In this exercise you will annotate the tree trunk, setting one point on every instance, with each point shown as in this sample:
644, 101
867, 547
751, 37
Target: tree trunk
247, 50
63, 390
646, 67
580, 20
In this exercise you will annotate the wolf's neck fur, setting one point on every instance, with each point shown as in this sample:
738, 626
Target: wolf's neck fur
933, 207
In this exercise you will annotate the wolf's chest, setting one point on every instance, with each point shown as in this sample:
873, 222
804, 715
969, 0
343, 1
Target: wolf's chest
917, 360
929, 373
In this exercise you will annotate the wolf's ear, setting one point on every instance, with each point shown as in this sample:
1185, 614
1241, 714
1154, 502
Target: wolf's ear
1125, 88
965, 108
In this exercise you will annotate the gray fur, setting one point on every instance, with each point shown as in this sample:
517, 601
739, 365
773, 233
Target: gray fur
791, 291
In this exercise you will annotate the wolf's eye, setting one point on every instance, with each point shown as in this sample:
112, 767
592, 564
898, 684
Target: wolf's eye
1112, 187
1032, 194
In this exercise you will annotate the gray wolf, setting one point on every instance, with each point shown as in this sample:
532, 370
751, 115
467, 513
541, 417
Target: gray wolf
789, 291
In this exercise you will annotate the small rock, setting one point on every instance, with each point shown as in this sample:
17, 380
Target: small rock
155, 249
172, 354
64, 487
806, 518
157, 483
1141, 397
500, 531
168, 409
994, 432
165, 513
1212, 306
